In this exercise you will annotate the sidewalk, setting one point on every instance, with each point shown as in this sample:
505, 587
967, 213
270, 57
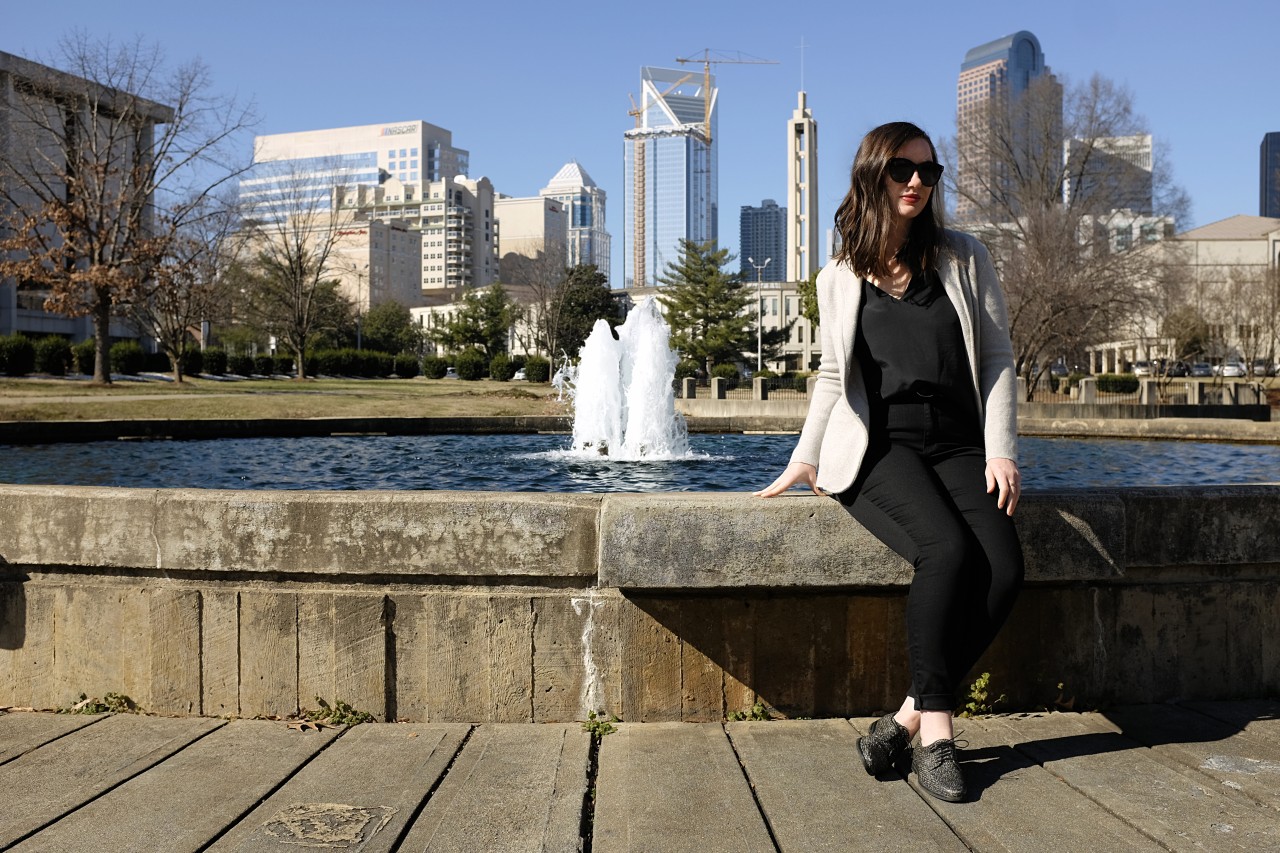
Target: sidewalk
1193, 776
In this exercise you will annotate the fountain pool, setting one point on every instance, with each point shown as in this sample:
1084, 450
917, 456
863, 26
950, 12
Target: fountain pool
546, 463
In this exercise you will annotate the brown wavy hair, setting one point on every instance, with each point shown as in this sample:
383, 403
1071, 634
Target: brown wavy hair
864, 219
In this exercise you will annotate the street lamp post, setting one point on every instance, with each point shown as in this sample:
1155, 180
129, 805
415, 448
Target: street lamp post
759, 311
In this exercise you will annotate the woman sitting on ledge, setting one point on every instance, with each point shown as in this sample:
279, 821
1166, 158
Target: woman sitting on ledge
912, 427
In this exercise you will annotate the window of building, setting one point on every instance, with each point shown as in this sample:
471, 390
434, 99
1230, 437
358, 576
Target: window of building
404, 153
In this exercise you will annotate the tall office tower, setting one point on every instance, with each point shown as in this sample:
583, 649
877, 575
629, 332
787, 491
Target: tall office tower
802, 193
762, 237
583, 204
1269, 176
670, 186
1114, 170
992, 78
408, 171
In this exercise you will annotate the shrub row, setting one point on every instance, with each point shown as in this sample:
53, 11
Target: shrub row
17, 355
363, 363
1118, 383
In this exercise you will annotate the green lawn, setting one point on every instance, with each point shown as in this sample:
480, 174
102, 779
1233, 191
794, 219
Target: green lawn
70, 399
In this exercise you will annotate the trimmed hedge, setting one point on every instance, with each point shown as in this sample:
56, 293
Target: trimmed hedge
686, 368
727, 372
192, 362
242, 365
53, 355
501, 368
537, 369
406, 365
284, 365
17, 355
434, 367
1118, 383
127, 357
158, 362
469, 364
215, 361
84, 354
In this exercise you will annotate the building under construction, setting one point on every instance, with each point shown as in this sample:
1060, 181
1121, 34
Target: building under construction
671, 183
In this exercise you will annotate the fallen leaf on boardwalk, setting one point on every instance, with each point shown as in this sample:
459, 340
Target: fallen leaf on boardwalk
413, 734
305, 726
81, 704
17, 708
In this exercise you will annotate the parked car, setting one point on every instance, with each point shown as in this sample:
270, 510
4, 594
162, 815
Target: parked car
1058, 369
1229, 369
519, 375
1263, 367
450, 373
1142, 368
1179, 369
1201, 368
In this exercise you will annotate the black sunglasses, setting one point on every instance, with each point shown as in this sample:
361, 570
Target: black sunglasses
901, 169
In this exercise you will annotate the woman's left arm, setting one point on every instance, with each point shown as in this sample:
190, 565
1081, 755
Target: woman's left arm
996, 376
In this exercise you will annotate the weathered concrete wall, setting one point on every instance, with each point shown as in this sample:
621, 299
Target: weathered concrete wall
508, 607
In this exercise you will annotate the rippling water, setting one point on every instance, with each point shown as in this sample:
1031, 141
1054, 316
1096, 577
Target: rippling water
538, 463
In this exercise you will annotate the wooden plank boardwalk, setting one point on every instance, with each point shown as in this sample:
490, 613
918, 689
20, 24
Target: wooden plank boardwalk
1201, 776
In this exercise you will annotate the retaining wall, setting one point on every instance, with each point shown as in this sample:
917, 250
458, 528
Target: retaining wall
451, 606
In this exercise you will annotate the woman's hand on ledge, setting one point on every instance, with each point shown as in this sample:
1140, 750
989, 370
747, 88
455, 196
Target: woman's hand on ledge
1003, 474
796, 472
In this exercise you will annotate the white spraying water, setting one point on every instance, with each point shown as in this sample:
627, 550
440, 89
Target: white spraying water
623, 401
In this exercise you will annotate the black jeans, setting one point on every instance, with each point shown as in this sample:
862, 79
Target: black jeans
922, 491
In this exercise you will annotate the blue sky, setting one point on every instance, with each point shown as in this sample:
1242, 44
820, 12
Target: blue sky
525, 87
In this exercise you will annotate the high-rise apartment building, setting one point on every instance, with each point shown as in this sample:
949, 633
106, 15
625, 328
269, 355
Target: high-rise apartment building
762, 242
582, 203
1269, 176
992, 78
455, 216
802, 194
408, 172
670, 185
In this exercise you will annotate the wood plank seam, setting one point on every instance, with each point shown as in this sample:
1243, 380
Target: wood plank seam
230, 824
141, 770
54, 739
1084, 793
755, 797
431, 792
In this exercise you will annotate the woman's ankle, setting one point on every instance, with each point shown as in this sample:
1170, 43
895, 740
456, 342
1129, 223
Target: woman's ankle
935, 726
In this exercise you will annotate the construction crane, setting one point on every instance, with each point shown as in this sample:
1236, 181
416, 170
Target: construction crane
717, 57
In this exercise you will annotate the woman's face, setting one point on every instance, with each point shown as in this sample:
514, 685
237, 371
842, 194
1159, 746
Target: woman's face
910, 198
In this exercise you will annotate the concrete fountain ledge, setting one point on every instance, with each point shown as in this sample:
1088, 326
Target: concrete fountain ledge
474, 606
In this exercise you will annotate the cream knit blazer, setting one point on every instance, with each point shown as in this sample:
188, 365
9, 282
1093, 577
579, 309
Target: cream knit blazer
834, 437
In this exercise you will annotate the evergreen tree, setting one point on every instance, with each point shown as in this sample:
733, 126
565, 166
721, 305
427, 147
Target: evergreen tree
706, 307
389, 327
484, 320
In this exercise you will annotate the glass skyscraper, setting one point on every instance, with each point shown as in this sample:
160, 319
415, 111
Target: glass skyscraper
670, 186
1269, 176
992, 77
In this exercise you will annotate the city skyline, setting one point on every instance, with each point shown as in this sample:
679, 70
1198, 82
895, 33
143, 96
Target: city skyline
522, 113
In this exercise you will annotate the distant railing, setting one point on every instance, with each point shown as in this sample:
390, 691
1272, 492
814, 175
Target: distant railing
774, 388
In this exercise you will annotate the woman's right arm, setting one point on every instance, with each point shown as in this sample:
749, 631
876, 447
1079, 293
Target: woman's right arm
803, 467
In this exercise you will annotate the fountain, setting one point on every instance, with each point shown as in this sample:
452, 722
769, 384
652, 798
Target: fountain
623, 401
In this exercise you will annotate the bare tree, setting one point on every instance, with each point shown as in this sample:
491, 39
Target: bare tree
537, 268
187, 284
105, 163
290, 289
1054, 183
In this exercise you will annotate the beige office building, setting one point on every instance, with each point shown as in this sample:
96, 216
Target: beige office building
406, 172
534, 239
